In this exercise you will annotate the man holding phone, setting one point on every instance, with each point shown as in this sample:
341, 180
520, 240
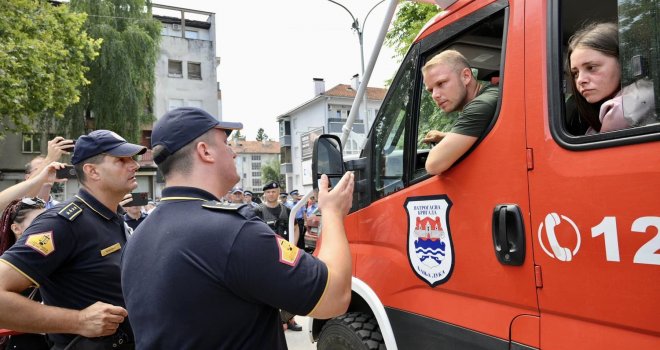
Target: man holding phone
72, 253
200, 274
57, 147
134, 210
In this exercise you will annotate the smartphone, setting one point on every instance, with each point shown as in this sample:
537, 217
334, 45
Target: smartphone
139, 198
66, 173
70, 148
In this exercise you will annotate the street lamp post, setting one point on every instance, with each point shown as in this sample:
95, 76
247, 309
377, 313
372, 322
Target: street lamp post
360, 30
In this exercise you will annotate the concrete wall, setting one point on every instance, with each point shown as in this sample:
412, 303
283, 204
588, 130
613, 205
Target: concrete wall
187, 92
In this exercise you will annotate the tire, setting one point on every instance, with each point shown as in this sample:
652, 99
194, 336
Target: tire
351, 331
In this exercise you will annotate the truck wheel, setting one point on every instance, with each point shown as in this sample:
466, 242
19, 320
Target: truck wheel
351, 331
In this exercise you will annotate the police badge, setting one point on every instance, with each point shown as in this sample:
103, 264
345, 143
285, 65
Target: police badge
430, 249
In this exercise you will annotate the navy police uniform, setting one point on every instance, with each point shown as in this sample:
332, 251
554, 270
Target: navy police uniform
199, 274
72, 253
276, 218
133, 223
214, 277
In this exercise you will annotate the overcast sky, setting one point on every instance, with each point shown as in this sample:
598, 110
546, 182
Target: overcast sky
271, 50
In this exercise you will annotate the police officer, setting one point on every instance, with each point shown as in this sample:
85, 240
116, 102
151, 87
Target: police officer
215, 275
247, 199
72, 253
300, 220
275, 213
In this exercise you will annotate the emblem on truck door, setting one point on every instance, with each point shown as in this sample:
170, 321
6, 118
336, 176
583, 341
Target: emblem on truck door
430, 249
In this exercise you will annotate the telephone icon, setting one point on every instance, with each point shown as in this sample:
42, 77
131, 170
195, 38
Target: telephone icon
549, 223
561, 253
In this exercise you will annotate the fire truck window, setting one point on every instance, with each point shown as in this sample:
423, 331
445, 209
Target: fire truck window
481, 45
390, 131
633, 107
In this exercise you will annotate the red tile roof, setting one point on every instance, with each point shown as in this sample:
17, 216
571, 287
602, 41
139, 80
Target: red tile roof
243, 147
344, 90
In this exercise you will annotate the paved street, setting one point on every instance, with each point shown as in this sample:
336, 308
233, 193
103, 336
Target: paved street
299, 340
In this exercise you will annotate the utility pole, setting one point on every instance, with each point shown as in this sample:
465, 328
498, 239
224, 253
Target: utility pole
360, 30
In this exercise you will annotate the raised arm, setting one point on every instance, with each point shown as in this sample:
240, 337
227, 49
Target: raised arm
31, 186
334, 251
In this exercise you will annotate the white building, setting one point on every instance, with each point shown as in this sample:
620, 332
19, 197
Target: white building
186, 67
326, 113
251, 156
185, 73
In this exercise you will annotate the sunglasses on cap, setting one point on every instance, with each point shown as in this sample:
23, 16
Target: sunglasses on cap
27, 203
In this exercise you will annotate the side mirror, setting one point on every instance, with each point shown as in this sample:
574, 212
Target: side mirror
327, 159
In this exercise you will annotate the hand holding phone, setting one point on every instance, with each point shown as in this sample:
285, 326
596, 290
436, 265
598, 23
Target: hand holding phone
139, 199
68, 172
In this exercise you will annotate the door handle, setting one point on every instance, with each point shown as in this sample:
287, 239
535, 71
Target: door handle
509, 234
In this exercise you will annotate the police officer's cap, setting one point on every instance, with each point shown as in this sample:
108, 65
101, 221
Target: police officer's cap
103, 141
271, 185
180, 126
247, 193
237, 190
293, 193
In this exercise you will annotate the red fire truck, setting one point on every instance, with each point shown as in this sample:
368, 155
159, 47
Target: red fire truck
536, 237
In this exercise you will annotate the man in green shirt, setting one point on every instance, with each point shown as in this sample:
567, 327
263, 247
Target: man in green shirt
449, 80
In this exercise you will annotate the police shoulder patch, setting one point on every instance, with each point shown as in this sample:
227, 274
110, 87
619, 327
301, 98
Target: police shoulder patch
289, 253
71, 211
41, 242
215, 205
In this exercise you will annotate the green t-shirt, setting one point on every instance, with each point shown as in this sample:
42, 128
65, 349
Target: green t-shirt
476, 115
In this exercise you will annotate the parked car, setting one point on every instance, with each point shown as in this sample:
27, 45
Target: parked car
312, 230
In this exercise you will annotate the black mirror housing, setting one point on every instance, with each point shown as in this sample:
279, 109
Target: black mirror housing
327, 158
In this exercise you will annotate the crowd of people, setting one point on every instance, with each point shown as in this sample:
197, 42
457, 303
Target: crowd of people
210, 266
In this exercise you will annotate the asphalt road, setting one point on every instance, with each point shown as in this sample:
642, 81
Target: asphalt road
299, 340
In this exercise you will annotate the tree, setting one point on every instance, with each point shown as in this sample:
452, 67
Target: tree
123, 76
236, 135
261, 135
409, 20
43, 52
271, 172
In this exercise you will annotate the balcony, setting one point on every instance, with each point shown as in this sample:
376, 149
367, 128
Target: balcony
285, 141
286, 168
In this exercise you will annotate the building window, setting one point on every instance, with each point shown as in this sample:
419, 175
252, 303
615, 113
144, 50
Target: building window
256, 174
192, 34
194, 103
256, 166
31, 143
174, 103
256, 157
174, 69
194, 70
256, 183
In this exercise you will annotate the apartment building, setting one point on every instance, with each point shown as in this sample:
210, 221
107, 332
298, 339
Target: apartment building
325, 113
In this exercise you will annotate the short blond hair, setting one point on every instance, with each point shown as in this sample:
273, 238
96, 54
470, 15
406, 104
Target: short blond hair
451, 58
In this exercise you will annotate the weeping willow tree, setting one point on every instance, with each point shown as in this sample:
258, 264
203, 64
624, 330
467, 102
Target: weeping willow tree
120, 95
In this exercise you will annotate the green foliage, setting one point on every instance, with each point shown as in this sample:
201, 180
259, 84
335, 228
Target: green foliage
410, 19
261, 135
43, 51
120, 95
271, 172
236, 135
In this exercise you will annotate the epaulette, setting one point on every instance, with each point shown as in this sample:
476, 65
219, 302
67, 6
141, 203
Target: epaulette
71, 211
215, 205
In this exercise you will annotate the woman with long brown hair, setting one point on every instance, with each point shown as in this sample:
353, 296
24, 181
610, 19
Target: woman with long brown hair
16, 217
595, 76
